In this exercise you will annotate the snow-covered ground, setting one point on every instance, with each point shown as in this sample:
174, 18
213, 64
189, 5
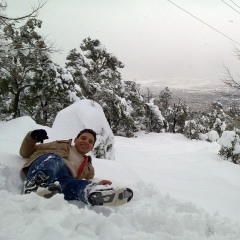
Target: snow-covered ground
182, 191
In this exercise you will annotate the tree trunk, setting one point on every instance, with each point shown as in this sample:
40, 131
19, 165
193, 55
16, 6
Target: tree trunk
16, 112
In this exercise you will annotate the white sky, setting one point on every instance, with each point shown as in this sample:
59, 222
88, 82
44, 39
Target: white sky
155, 40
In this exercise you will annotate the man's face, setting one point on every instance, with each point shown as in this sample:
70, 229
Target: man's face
84, 143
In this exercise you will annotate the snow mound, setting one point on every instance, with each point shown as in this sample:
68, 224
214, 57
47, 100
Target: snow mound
182, 191
85, 114
148, 216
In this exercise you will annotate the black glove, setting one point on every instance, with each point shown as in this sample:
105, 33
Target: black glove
39, 135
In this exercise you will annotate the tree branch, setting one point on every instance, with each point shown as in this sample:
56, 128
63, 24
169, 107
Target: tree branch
32, 14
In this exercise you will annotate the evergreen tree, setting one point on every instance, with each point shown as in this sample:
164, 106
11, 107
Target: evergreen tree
30, 83
230, 146
130, 91
211, 124
193, 129
217, 117
176, 117
165, 97
96, 72
54, 90
233, 114
154, 121
96, 68
26, 54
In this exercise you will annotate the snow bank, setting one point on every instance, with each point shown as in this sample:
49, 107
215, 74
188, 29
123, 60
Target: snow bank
182, 191
85, 114
149, 216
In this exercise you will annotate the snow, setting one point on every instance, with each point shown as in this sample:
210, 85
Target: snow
67, 75
66, 127
230, 140
213, 136
155, 109
227, 138
183, 190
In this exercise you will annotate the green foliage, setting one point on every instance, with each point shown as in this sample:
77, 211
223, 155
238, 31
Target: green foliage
233, 117
135, 103
193, 129
96, 72
20, 61
165, 98
30, 83
217, 117
230, 146
53, 91
154, 121
176, 116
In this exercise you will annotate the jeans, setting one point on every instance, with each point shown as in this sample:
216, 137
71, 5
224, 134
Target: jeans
52, 165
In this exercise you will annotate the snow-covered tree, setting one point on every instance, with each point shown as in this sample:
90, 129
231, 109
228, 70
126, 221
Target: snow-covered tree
97, 73
30, 83
230, 146
176, 116
165, 97
211, 124
27, 53
54, 90
217, 117
193, 129
154, 121
95, 67
233, 114
130, 91
212, 136
117, 113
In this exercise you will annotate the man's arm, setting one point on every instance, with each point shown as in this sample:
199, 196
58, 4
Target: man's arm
29, 142
28, 146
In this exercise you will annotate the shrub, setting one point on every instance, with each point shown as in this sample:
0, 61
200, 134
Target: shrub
230, 148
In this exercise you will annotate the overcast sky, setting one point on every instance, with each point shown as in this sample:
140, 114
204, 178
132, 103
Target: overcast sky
156, 40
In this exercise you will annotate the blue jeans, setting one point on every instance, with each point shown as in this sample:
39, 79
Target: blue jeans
52, 165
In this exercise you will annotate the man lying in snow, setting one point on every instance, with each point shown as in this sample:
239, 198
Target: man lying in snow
59, 167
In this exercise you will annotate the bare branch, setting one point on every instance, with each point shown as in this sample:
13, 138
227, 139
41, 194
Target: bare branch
32, 14
232, 86
230, 81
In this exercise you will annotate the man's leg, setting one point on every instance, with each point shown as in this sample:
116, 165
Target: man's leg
43, 171
92, 193
73, 189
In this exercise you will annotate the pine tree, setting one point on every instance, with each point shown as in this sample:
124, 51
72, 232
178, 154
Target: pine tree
217, 117
233, 116
30, 83
154, 121
176, 116
54, 90
165, 98
96, 72
230, 146
193, 129
130, 91
26, 53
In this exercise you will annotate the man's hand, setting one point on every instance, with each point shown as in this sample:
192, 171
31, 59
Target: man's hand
105, 182
39, 134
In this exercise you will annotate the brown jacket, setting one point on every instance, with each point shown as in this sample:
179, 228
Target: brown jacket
29, 149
